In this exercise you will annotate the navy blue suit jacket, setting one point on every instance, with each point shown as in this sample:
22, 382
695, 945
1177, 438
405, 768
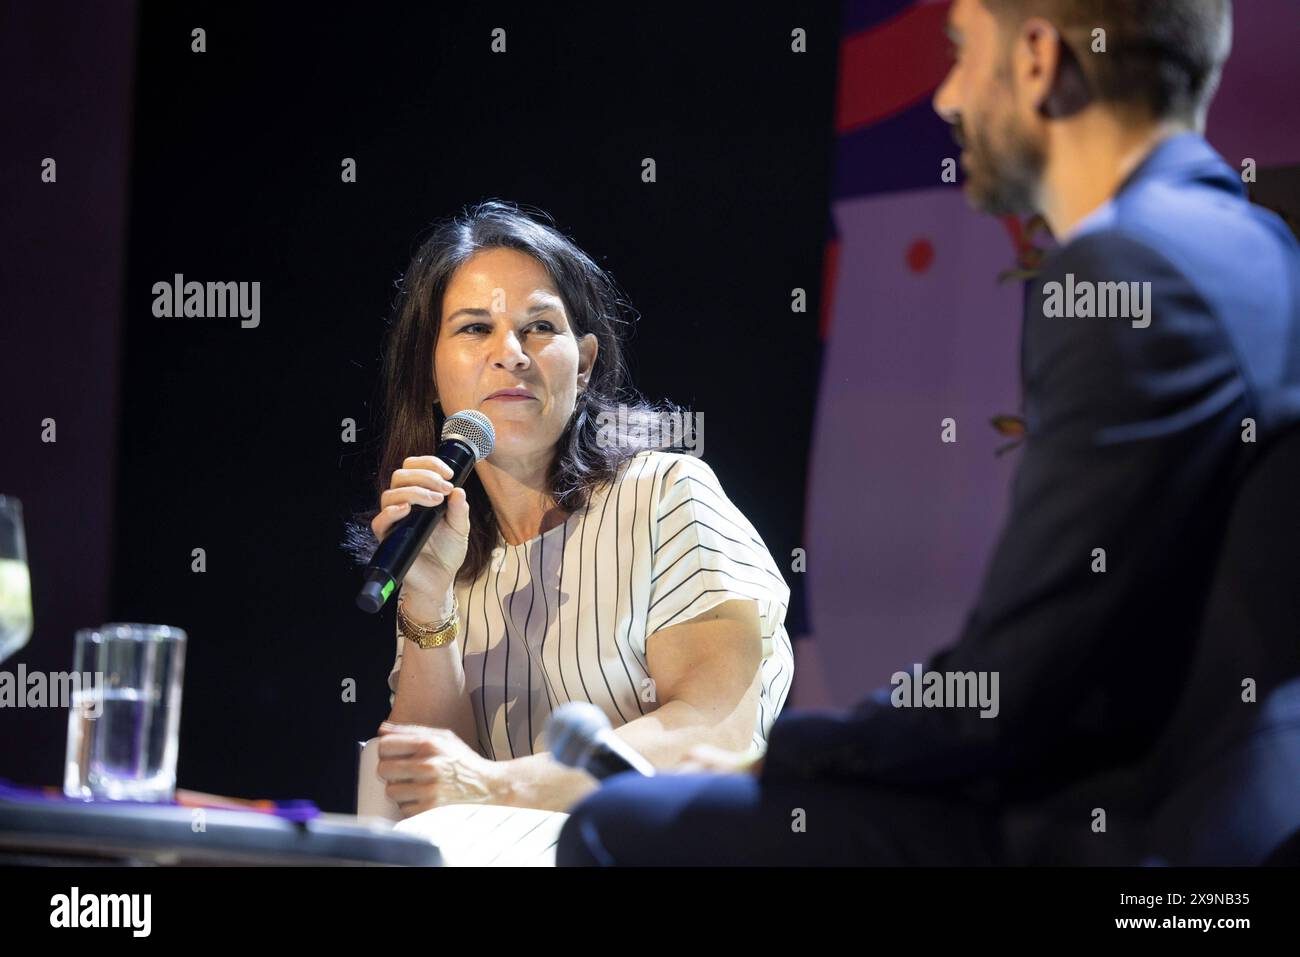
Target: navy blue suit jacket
1128, 690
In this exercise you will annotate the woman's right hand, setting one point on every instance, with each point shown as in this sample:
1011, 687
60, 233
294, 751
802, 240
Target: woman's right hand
426, 480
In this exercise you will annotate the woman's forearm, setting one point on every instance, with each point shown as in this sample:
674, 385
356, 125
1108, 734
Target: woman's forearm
667, 734
431, 684
663, 737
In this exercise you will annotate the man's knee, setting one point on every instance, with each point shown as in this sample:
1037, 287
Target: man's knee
583, 837
574, 848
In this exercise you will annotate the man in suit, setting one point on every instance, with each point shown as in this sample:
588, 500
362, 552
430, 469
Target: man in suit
1148, 687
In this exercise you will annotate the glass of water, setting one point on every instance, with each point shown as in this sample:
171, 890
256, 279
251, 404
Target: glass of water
15, 583
124, 722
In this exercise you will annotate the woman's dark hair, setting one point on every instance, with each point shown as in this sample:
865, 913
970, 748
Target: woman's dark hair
586, 457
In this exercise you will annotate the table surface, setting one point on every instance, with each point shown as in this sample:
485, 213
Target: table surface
87, 834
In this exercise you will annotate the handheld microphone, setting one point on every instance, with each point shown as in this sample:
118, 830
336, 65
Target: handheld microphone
578, 735
467, 438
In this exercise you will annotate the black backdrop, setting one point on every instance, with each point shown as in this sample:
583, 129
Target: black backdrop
230, 438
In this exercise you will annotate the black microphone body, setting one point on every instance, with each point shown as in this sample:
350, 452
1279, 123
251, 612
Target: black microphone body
401, 546
603, 763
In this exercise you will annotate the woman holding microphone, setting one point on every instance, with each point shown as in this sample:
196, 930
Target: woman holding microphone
579, 562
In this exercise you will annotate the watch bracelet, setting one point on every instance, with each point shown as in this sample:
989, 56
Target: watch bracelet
426, 635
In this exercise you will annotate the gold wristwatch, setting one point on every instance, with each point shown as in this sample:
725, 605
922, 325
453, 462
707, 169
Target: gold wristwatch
429, 636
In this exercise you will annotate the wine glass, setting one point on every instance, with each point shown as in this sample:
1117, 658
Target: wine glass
15, 581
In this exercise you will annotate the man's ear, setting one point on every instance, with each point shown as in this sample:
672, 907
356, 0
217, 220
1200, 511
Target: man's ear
1054, 74
588, 347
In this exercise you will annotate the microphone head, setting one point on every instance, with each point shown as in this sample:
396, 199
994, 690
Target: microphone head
572, 731
474, 429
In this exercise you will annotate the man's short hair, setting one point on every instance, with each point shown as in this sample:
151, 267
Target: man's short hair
1163, 57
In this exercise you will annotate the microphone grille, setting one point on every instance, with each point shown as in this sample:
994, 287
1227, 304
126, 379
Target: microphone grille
473, 427
571, 731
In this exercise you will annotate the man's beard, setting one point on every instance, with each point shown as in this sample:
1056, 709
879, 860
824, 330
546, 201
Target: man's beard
1002, 179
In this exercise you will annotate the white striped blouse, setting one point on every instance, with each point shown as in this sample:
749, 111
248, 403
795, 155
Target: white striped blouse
565, 616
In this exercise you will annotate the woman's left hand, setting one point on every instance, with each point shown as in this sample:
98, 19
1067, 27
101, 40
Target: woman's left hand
430, 767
